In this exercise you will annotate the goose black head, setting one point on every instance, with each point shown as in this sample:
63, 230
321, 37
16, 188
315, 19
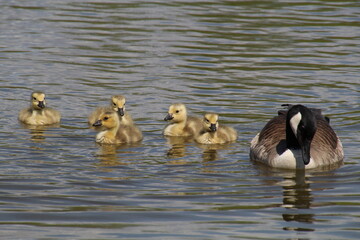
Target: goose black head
300, 129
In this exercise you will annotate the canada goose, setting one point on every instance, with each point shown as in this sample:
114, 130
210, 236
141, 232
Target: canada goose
38, 113
213, 133
117, 104
180, 123
299, 138
114, 132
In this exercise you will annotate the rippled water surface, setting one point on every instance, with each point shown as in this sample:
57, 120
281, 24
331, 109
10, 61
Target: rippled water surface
242, 59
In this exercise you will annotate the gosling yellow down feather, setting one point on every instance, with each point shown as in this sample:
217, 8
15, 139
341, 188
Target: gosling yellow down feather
38, 113
117, 104
213, 133
180, 123
114, 132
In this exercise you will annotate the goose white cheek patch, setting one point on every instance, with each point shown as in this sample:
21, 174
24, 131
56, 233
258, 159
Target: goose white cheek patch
294, 122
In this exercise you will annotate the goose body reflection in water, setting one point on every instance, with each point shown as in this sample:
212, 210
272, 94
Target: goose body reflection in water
296, 195
297, 199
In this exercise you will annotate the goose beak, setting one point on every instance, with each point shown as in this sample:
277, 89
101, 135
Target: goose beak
168, 117
121, 111
305, 151
213, 127
41, 104
98, 123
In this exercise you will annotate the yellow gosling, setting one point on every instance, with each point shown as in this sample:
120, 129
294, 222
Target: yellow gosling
38, 113
180, 123
114, 132
213, 133
117, 104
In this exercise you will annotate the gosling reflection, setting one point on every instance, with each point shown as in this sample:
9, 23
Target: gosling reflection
177, 146
38, 133
110, 155
210, 155
107, 155
210, 151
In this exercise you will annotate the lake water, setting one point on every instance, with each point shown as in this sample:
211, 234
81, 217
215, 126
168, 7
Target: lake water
242, 59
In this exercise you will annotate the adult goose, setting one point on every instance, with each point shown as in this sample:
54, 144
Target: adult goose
298, 138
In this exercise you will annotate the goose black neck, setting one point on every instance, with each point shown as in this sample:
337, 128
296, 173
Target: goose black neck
291, 140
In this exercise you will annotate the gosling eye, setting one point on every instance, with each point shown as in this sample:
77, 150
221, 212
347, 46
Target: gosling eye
106, 118
207, 120
177, 111
114, 104
34, 98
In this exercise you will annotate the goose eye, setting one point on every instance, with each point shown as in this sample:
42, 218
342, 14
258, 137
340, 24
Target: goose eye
34, 98
206, 120
177, 111
106, 118
114, 104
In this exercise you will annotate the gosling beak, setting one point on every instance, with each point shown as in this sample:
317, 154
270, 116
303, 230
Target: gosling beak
121, 111
168, 117
213, 127
41, 104
98, 123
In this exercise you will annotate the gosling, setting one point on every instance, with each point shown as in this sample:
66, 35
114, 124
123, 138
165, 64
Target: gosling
114, 132
117, 104
38, 114
181, 124
213, 133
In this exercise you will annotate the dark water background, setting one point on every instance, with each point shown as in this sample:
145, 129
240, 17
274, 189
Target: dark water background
242, 59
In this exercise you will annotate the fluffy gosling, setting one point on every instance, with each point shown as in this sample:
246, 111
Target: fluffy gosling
180, 123
213, 133
38, 113
114, 132
117, 104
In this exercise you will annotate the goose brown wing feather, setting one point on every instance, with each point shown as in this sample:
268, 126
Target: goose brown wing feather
325, 146
272, 138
